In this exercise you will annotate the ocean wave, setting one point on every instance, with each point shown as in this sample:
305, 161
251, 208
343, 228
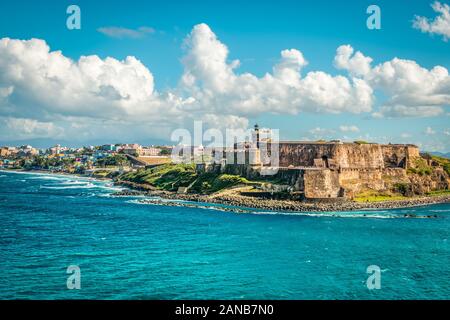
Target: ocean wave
110, 187
73, 183
104, 195
48, 177
88, 185
33, 173
66, 182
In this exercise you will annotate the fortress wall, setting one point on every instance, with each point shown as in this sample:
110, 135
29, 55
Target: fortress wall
395, 156
239, 169
352, 155
336, 169
397, 174
240, 157
293, 177
303, 154
346, 155
356, 180
321, 184
412, 151
399, 156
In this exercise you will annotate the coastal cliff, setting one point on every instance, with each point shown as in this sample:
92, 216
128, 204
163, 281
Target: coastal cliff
425, 182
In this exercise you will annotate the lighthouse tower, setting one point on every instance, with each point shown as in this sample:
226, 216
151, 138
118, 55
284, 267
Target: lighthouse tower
256, 137
254, 156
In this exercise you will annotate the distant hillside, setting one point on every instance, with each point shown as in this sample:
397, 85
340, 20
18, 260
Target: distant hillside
440, 154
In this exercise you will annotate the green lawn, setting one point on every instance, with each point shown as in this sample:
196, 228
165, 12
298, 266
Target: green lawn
373, 196
439, 193
379, 198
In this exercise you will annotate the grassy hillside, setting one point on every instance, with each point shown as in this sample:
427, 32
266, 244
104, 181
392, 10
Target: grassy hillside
425, 169
172, 176
421, 166
443, 162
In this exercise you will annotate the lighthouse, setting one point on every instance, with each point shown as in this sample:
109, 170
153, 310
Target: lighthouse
256, 133
254, 156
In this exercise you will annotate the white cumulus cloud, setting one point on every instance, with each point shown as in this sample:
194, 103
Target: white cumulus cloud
44, 82
22, 128
349, 128
92, 96
440, 25
356, 63
412, 90
214, 83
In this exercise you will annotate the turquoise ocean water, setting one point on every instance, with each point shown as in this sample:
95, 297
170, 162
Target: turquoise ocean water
128, 250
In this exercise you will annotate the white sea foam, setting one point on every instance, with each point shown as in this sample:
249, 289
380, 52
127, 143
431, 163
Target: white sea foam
110, 187
32, 173
73, 183
48, 177
134, 201
62, 187
65, 182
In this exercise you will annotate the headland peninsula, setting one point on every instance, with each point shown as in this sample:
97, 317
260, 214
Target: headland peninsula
310, 176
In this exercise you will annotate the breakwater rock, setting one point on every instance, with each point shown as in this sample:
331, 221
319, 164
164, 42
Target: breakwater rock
128, 193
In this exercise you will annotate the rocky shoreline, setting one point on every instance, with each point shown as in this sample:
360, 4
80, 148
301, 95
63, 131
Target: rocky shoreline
242, 204
236, 200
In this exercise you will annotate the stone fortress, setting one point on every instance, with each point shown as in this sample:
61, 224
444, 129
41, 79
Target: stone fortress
323, 169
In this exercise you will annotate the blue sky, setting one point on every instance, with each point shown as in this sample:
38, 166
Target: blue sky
255, 32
